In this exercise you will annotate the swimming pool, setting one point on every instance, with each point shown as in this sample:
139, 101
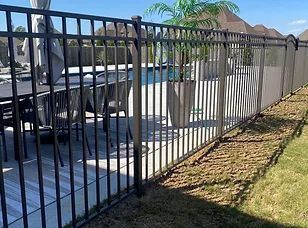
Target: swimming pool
166, 74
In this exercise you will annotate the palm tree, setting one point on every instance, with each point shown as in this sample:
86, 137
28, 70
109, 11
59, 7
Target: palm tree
193, 14
190, 13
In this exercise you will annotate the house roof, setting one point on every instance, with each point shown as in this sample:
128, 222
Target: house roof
304, 35
233, 23
262, 30
110, 30
274, 33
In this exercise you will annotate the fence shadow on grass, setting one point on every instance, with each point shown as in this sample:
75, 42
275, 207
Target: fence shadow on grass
271, 124
166, 207
270, 134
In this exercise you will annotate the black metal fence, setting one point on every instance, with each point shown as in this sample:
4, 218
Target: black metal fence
87, 141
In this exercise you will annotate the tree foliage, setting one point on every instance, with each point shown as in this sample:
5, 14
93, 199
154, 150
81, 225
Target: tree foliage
192, 13
20, 29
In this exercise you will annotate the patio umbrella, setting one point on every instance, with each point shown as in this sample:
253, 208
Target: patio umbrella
41, 54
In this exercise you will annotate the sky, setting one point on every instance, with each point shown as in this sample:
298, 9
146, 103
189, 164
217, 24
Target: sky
284, 15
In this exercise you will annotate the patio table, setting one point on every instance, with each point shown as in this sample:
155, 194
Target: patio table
24, 91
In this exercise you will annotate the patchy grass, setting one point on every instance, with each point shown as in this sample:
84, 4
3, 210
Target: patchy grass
211, 188
282, 195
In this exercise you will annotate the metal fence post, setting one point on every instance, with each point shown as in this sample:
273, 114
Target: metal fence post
282, 86
304, 66
293, 63
223, 56
289, 65
136, 59
261, 76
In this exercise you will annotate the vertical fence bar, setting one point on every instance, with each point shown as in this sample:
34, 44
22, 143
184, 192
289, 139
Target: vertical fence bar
184, 93
137, 102
201, 110
107, 117
245, 72
261, 76
127, 126
173, 95
211, 89
154, 103
178, 83
223, 56
250, 77
167, 99
234, 96
160, 99
207, 78
215, 89
208, 90
97, 165
241, 81
36, 124
83, 121
199, 65
254, 94
53, 121
194, 50
147, 102
117, 94
16, 118
70, 143
243, 77
190, 91
228, 95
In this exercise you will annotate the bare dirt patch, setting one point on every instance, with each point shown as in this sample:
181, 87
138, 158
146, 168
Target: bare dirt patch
204, 190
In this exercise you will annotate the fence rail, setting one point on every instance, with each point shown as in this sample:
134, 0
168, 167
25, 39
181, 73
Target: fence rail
84, 143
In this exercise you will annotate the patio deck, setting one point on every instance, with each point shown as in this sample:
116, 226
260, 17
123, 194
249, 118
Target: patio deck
207, 126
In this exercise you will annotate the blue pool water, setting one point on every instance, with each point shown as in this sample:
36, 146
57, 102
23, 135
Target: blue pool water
166, 74
147, 75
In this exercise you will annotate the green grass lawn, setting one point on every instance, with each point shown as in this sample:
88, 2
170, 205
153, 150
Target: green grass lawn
282, 194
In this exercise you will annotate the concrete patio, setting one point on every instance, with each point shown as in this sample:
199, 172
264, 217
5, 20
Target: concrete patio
160, 152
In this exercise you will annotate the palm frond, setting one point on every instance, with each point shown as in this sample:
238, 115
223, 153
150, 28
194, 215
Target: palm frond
210, 22
191, 13
160, 9
215, 8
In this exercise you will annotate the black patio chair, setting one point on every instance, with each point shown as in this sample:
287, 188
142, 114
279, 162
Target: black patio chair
120, 106
61, 115
112, 101
7, 120
3, 118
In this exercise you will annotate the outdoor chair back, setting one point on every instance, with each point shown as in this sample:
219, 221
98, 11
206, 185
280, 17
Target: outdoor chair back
100, 99
7, 120
122, 96
61, 114
112, 97
6, 113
